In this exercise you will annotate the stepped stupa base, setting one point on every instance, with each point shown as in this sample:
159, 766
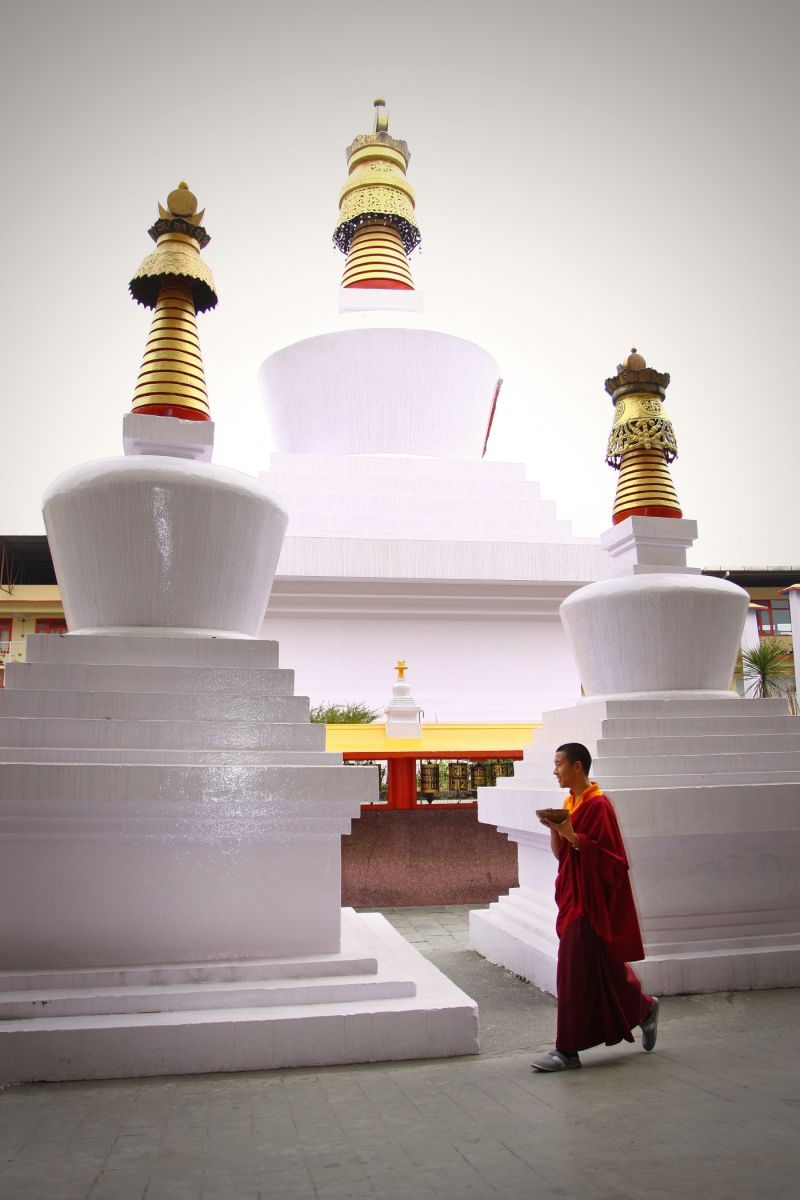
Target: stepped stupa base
707, 791
170, 882
512, 934
377, 1000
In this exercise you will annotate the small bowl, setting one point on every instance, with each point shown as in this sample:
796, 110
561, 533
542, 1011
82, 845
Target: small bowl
556, 815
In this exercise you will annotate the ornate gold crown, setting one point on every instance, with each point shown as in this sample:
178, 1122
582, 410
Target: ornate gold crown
179, 236
639, 421
376, 191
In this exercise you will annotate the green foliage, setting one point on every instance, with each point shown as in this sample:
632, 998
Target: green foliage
343, 714
765, 668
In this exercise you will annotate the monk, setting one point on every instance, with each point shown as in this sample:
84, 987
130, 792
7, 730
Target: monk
599, 997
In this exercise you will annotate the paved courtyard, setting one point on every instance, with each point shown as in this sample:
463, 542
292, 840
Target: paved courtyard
714, 1112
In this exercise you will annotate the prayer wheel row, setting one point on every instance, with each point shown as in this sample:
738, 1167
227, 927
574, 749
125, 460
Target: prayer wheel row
461, 776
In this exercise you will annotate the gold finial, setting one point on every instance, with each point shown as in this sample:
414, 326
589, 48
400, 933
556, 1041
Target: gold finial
381, 116
175, 282
377, 229
401, 668
182, 203
634, 361
642, 442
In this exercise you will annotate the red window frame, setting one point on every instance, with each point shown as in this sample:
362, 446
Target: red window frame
50, 625
768, 621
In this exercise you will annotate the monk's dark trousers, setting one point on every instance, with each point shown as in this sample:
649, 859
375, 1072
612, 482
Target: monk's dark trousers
599, 998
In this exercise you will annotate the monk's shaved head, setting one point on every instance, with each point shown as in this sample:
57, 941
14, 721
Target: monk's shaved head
574, 752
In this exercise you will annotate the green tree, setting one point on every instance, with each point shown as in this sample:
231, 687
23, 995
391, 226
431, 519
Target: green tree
343, 714
765, 668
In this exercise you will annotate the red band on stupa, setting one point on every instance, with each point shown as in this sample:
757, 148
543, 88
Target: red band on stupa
646, 510
380, 283
174, 410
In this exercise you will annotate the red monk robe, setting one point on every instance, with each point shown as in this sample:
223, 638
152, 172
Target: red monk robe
599, 997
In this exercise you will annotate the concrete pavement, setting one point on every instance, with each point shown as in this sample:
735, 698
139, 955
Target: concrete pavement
713, 1113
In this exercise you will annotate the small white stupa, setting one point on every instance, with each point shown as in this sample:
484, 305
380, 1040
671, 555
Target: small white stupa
402, 711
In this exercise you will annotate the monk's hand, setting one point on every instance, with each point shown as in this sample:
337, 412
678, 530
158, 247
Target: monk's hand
563, 829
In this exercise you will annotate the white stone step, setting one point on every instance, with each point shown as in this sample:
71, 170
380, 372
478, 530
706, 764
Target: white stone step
384, 487
148, 735
159, 706
710, 805
190, 756
211, 1041
187, 801
634, 727
567, 560
138, 650
384, 496
266, 681
689, 705
702, 744
189, 997
375, 467
174, 974
426, 525
716, 775
591, 713
624, 766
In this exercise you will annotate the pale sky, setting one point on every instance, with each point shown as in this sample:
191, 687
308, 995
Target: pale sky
590, 175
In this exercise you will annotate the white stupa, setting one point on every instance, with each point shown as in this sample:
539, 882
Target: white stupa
399, 532
706, 785
402, 712
170, 823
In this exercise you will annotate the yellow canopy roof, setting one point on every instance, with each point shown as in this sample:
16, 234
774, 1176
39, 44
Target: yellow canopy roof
438, 738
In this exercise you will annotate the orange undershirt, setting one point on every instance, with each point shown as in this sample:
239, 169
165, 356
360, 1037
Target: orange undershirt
571, 804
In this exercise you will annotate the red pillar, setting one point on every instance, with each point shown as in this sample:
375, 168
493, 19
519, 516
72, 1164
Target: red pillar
402, 783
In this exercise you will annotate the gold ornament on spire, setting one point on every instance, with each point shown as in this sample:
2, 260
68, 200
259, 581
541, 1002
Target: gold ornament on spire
377, 229
175, 282
642, 442
401, 668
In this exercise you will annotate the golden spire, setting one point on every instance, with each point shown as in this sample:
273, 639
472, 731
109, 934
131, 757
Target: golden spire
176, 282
642, 442
401, 668
377, 229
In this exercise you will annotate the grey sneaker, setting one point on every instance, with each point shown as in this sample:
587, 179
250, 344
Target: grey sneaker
649, 1027
556, 1060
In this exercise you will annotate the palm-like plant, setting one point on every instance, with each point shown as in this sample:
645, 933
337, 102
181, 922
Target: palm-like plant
765, 668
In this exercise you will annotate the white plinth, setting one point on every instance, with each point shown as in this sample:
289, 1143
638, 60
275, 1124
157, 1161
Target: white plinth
163, 544
379, 300
170, 830
147, 433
